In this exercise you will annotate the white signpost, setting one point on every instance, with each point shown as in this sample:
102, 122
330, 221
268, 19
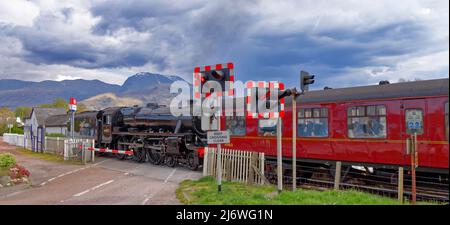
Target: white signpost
218, 137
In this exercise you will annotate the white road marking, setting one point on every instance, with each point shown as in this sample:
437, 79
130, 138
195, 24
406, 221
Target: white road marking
147, 199
151, 195
170, 175
70, 172
93, 188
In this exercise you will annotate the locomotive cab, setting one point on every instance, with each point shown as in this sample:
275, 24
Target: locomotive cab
107, 120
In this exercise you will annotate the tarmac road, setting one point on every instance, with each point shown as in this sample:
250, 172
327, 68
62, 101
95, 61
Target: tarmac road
108, 181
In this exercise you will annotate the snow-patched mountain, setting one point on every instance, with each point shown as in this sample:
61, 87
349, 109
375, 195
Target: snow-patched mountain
144, 87
145, 80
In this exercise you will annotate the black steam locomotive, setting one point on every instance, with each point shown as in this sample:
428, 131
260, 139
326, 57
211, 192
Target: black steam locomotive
153, 134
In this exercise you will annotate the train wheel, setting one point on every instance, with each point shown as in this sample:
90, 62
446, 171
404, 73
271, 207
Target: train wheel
138, 152
149, 157
121, 147
171, 161
155, 156
191, 161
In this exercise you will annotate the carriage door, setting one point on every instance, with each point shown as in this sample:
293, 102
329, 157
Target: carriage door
413, 121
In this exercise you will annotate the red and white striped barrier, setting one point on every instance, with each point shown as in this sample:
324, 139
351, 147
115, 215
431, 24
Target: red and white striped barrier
262, 84
126, 152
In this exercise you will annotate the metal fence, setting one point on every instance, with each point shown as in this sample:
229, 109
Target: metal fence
240, 166
69, 149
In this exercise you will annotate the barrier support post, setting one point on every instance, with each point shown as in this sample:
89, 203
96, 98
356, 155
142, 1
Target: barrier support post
93, 153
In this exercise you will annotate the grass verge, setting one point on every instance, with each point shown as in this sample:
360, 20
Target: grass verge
46, 156
204, 192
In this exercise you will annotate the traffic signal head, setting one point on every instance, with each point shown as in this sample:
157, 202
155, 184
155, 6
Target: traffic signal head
219, 74
305, 80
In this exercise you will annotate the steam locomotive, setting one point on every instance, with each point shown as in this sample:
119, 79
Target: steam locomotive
153, 134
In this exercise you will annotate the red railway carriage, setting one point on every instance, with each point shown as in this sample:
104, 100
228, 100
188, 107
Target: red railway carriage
359, 125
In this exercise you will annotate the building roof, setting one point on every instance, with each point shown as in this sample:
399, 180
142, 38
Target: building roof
86, 114
43, 113
57, 121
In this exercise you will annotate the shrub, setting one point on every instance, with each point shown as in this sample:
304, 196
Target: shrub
18, 172
7, 160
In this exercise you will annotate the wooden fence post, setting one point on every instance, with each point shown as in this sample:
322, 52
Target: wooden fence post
205, 162
400, 184
337, 176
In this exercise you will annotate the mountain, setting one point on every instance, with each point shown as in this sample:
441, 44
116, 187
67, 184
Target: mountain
149, 87
106, 100
142, 88
146, 80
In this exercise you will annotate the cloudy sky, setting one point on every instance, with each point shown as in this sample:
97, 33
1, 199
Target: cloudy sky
344, 43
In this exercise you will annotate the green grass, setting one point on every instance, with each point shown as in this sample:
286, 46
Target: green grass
4, 172
47, 157
204, 192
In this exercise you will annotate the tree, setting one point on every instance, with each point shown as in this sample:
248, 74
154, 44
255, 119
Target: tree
6, 117
57, 103
22, 112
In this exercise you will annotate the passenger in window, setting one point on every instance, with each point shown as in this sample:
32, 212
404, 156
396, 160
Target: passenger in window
318, 129
358, 130
374, 127
324, 129
309, 128
302, 129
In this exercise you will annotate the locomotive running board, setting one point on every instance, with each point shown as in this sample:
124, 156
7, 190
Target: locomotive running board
125, 152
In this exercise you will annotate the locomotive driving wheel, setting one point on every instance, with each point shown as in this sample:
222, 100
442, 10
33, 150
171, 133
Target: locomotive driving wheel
191, 161
171, 161
154, 156
121, 147
138, 152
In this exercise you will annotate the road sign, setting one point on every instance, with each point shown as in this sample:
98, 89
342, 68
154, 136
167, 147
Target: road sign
218, 137
73, 101
72, 107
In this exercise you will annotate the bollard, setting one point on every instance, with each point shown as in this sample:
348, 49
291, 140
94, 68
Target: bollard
92, 152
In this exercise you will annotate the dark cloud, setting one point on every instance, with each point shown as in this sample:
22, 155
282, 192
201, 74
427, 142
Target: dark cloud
174, 36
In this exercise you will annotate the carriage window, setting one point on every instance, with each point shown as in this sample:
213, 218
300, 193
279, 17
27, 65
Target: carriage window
446, 120
414, 121
313, 122
236, 125
267, 127
367, 122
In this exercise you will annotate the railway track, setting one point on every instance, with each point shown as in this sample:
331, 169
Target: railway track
323, 181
